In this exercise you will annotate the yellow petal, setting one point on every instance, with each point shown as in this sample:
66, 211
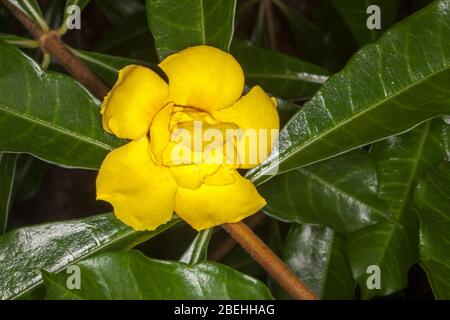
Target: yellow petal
141, 192
137, 96
257, 115
223, 176
203, 77
209, 206
187, 176
160, 132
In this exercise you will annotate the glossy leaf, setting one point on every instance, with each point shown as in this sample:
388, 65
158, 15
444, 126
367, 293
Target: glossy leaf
387, 88
54, 246
107, 66
432, 198
134, 276
286, 110
317, 255
354, 13
198, 249
280, 74
394, 248
7, 171
49, 115
340, 193
176, 25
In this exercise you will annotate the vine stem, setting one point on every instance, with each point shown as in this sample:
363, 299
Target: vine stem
51, 43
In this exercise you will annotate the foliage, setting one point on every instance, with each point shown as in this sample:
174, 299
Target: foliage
361, 173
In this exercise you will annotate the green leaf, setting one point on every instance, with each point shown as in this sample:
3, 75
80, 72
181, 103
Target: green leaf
49, 115
432, 198
107, 66
18, 41
54, 246
129, 38
286, 109
80, 3
317, 255
119, 11
387, 88
32, 10
340, 193
354, 13
394, 248
308, 37
176, 25
7, 171
133, 276
28, 178
198, 249
278, 73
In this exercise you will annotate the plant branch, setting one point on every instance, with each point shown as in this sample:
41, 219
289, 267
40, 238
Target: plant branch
51, 43
229, 243
270, 24
269, 261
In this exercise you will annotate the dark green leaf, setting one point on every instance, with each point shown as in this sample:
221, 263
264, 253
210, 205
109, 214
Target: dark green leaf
317, 255
49, 115
354, 13
54, 246
29, 174
119, 11
129, 38
340, 193
198, 249
432, 198
176, 25
134, 276
286, 110
107, 66
387, 88
278, 73
308, 37
7, 171
394, 248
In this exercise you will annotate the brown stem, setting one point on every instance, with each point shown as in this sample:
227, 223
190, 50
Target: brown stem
271, 24
229, 243
51, 43
269, 261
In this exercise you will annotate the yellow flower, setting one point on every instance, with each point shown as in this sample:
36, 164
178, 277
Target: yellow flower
158, 172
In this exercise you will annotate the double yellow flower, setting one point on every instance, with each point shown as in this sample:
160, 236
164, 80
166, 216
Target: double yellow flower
141, 179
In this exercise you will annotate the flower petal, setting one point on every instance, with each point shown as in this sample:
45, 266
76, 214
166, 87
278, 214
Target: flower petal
203, 77
209, 206
257, 115
160, 132
129, 107
141, 192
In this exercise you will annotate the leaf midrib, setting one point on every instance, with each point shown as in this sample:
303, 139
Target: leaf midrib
333, 187
363, 112
47, 125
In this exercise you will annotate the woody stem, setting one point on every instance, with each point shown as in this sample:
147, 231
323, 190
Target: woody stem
51, 43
